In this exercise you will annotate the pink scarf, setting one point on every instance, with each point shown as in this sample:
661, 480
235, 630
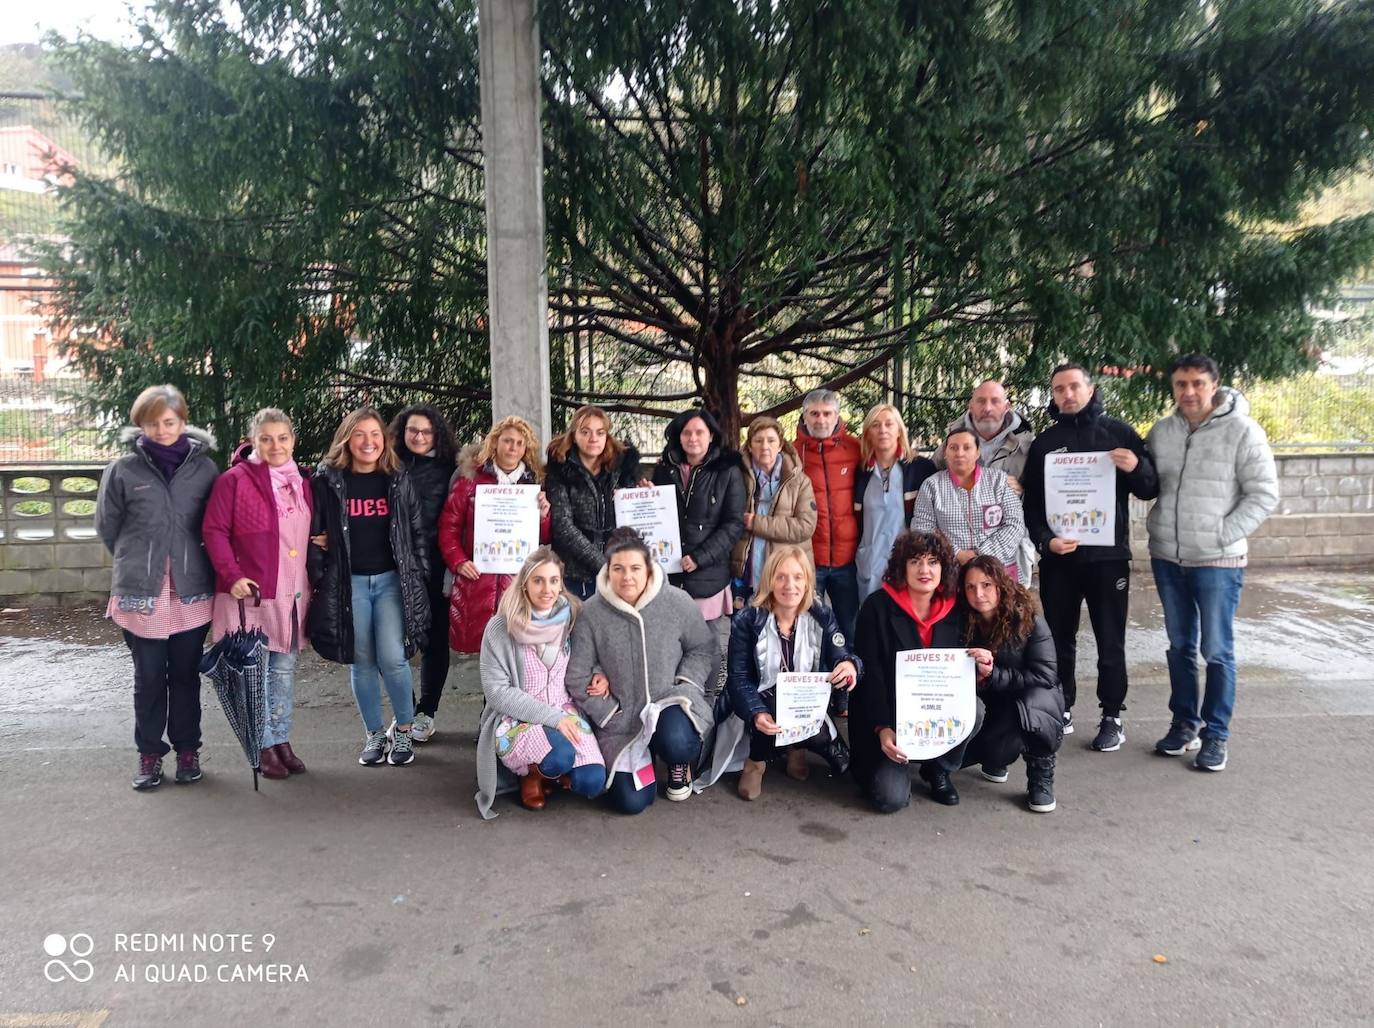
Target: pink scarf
288, 487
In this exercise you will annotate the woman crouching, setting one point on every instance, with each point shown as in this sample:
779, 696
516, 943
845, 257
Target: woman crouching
530, 722
1017, 679
785, 629
641, 658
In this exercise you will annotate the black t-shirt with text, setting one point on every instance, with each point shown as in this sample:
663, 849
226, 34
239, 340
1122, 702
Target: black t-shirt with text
369, 523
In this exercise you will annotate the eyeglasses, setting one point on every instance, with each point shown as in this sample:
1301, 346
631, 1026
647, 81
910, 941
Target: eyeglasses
419, 431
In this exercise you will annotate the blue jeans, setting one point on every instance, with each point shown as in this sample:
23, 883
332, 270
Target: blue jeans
675, 741
379, 650
587, 780
841, 585
1200, 602
281, 698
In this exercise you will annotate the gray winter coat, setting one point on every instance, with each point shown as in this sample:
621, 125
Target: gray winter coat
1010, 455
615, 639
1217, 483
503, 684
143, 519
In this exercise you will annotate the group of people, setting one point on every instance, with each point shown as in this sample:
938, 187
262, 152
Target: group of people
831, 552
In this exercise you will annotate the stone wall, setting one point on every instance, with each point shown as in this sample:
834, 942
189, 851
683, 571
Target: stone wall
1325, 515
49, 552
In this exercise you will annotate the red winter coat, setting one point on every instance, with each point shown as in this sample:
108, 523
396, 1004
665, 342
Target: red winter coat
241, 528
472, 603
831, 464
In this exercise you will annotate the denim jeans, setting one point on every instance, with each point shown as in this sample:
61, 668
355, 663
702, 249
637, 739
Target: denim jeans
675, 741
281, 698
379, 650
841, 585
1199, 614
587, 780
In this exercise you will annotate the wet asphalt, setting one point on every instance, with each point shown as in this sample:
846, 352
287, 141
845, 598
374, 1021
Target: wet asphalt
1154, 892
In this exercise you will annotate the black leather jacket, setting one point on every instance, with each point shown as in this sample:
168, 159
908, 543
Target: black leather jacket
329, 623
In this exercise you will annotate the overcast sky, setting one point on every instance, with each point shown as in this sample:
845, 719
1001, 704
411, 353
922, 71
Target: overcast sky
25, 21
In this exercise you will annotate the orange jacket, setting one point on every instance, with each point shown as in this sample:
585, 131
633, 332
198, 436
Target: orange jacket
831, 465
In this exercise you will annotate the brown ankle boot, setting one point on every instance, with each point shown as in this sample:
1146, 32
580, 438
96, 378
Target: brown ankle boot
796, 764
270, 765
532, 789
293, 763
751, 779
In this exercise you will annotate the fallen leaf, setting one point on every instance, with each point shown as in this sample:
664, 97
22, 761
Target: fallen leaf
1160, 958
865, 931
741, 1001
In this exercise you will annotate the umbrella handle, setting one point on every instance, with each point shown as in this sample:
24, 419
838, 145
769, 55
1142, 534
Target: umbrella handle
243, 618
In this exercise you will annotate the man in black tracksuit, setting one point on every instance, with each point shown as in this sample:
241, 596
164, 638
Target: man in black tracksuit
1071, 573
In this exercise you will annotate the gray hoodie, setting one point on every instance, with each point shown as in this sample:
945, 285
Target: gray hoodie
1217, 483
143, 519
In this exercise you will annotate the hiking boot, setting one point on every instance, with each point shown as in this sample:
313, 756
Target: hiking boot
751, 779
422, 728
796, 764
941, 788
1040, 783
149, 772
188, 767
1110, 735
1212, 756
679, 782
1182, 738
374, 749
402, 752
1068, 722
995, 773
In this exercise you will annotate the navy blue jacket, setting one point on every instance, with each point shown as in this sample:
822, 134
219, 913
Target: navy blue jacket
742, 673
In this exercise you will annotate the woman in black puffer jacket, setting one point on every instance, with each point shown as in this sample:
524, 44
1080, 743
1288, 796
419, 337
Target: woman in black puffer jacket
708, 477
586, 466
1017, 679
424, 442
369, 574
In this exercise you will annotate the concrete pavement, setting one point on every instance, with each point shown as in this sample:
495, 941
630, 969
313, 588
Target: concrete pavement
385, 891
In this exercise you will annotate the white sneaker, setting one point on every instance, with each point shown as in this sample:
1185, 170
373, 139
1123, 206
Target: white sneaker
422, 728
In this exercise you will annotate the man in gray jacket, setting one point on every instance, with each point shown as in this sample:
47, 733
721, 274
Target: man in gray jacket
1217, 484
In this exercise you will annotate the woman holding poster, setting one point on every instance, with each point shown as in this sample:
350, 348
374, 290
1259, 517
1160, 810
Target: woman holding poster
785, 630
586, 466
641, 658
530, 724
509, 455
1017, 679
975, 507
913, 610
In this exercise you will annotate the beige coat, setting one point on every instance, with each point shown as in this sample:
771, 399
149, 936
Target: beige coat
792, 517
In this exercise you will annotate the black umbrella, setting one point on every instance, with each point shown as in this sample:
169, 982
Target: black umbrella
237, 666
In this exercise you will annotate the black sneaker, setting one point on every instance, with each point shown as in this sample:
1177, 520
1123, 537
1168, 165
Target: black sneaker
1068, 722
1180, 740
1212, 756
679, 782
374, 749
1110, 735
402, 749
995, 773
188, 767
149, 772
941, 788
1040, 784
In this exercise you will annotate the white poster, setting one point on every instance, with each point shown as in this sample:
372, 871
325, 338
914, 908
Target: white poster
652, 512
505, 527
936, 701
802, 701
1080, 497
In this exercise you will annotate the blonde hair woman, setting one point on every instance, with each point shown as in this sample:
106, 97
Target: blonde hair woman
885, 488
508, 455
369, 570
785, 629
530, 724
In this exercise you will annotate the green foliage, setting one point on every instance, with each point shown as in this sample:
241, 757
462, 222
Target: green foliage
744, 199
1312, 409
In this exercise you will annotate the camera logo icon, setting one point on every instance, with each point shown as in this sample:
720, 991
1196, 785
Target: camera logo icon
79, 946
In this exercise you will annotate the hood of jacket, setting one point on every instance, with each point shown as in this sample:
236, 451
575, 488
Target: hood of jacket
672, 437
1092, 410
130, 434
651, 589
